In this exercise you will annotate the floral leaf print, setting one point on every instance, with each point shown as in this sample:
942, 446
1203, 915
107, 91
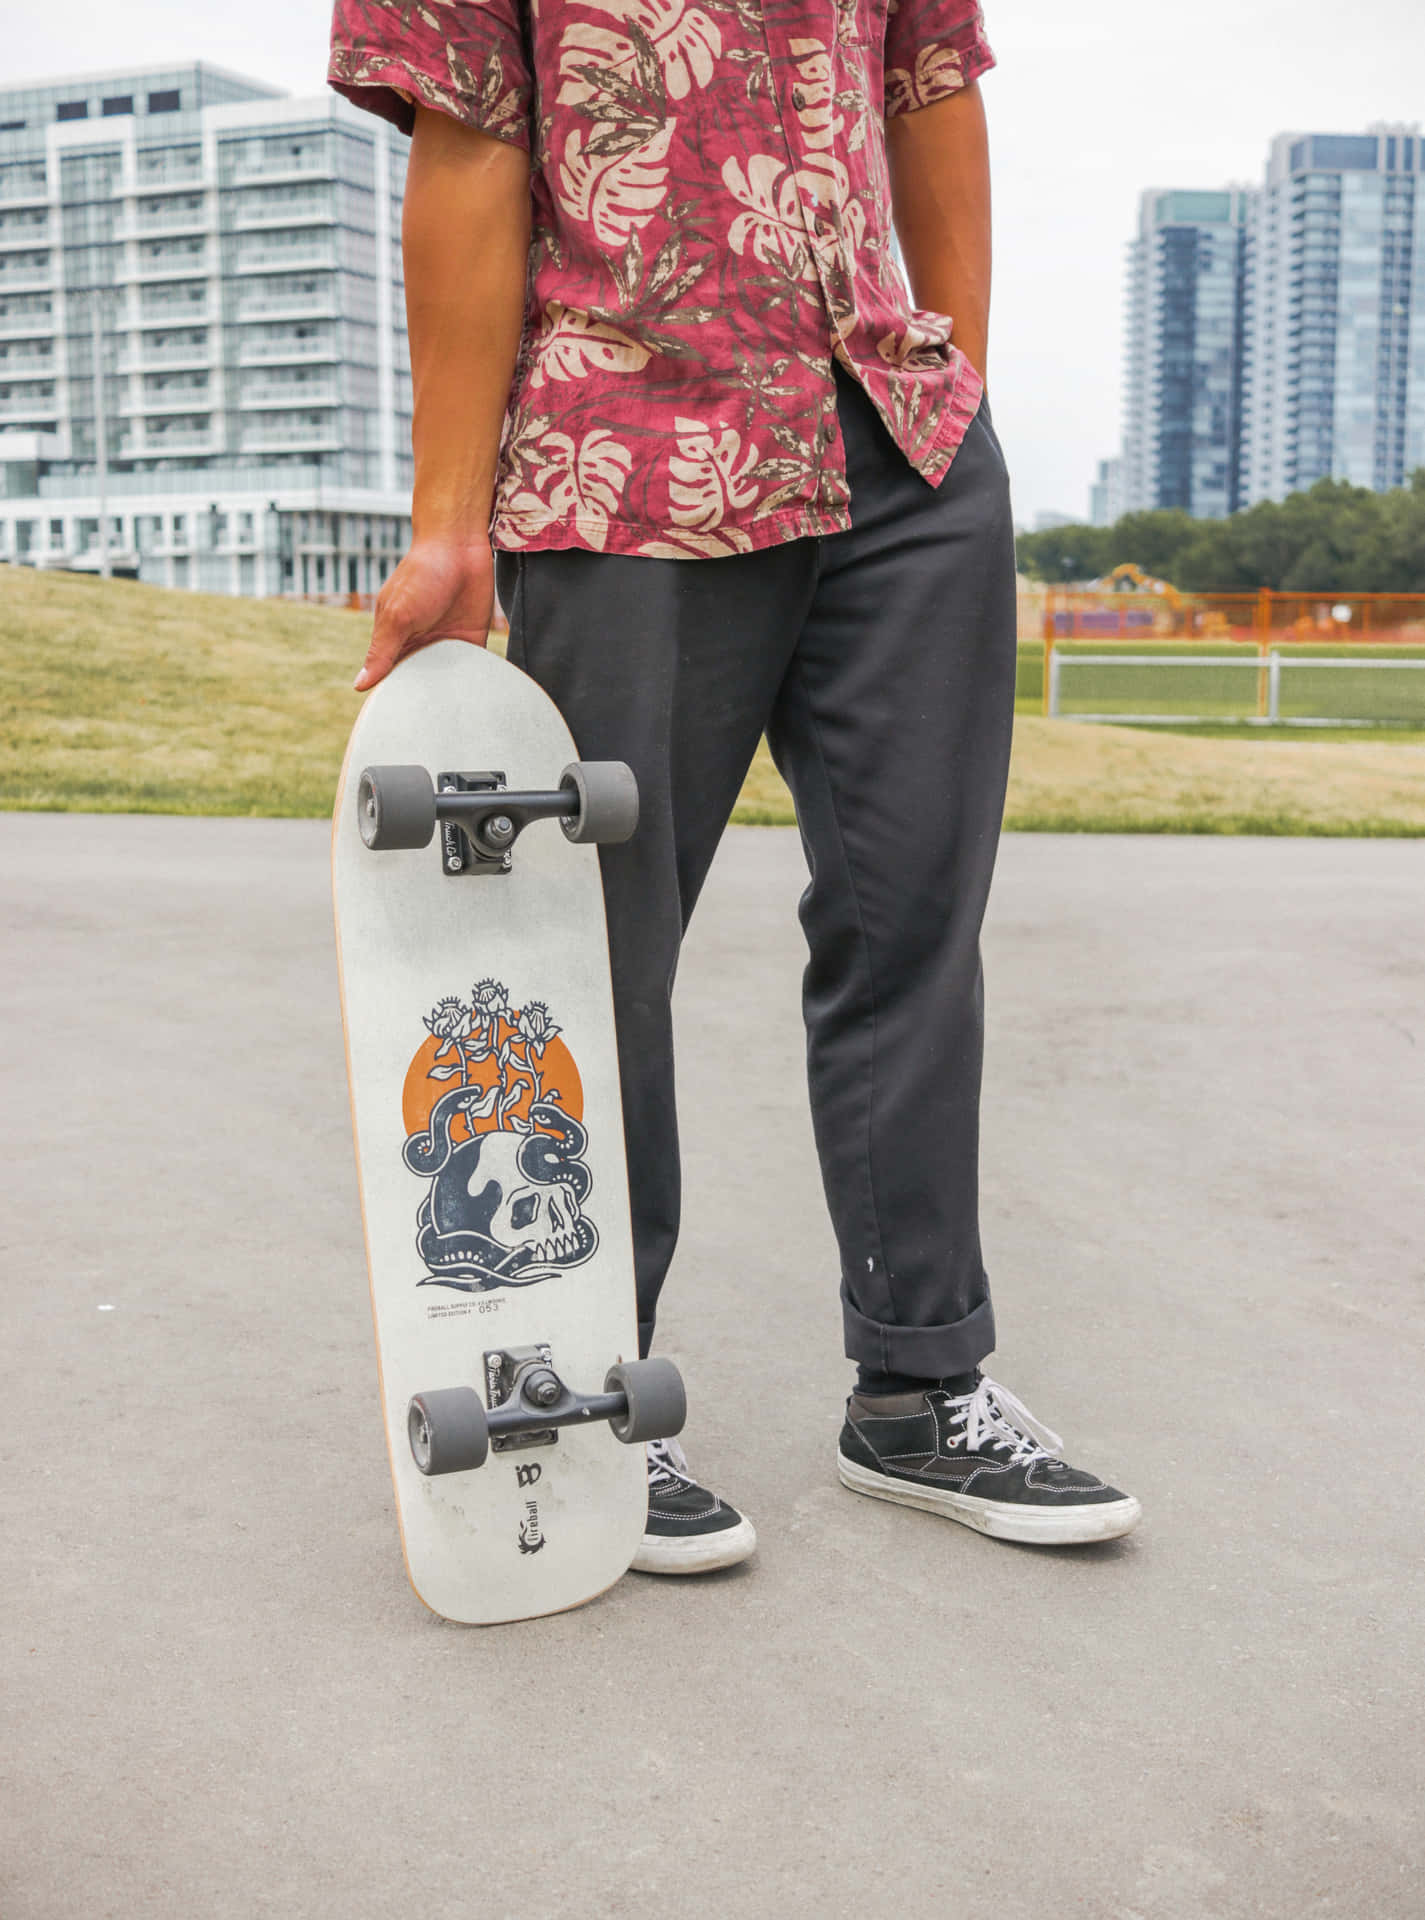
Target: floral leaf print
583, 480
771, 229
759, 70
790, 479
612, 76
613, 194
706, 546
922, 345
704, 477
815, 97
499, 107
572, 344
938, 72
685, 40
681, 41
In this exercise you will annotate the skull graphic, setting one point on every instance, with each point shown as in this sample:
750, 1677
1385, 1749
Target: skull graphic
503, 1208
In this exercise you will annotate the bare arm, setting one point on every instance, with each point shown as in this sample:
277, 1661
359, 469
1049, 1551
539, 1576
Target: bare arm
465, 244
940, 199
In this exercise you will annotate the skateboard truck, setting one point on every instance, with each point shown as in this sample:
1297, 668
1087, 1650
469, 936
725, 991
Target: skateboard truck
452, 1431
480, 818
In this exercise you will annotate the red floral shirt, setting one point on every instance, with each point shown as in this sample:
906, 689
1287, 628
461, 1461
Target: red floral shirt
711, 224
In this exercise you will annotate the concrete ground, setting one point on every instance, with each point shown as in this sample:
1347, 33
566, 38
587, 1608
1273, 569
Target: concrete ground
1203, 1214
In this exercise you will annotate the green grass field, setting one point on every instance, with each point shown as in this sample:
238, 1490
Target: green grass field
126, 698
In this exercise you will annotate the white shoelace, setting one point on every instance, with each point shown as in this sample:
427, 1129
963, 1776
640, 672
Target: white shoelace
666, 1463
993, 1416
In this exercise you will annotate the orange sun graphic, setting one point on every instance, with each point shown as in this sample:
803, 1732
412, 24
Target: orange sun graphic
556, 1069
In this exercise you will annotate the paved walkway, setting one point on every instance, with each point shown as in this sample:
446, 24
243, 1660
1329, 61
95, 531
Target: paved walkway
1204, 1216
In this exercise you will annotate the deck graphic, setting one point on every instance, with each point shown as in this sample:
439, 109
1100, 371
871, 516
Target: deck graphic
493, 1110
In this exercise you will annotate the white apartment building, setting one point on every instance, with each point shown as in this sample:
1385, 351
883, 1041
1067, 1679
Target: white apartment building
226, 259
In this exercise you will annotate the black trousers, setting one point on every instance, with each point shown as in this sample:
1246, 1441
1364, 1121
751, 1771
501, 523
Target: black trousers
880, 663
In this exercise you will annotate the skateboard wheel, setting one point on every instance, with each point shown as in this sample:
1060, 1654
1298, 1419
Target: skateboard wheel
395, 807
448, 1430
657, 1402
608, 801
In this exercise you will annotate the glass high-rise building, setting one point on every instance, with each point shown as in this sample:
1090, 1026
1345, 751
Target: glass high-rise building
1335, 314
1183, 352
202, 317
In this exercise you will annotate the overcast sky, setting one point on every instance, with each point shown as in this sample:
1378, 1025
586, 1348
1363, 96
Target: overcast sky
1092, 103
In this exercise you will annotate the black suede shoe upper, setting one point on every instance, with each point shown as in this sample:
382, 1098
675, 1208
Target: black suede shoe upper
923, 1438
678, 1508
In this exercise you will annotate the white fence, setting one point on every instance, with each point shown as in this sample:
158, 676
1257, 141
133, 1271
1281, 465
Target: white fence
1270, 671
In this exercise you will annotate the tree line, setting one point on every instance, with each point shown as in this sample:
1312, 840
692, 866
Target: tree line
1331, 537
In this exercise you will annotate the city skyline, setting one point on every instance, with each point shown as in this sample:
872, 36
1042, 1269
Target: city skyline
1087, 109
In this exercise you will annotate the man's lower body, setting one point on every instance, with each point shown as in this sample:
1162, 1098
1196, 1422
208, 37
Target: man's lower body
880, 663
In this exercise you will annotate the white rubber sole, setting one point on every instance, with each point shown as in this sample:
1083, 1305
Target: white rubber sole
702, 1553
1004, 1519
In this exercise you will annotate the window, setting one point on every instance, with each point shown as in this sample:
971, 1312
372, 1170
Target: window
165, 102
72, 110
1344, 151
119, 103
12, 126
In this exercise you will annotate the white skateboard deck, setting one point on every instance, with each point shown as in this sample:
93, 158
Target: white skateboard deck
478, 1007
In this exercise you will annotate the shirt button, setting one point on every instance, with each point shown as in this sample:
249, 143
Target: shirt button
799, 98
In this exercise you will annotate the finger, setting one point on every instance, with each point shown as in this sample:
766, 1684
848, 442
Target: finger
388, 643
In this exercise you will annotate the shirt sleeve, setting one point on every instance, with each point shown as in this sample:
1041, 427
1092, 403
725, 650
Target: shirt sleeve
461, 57
933, 49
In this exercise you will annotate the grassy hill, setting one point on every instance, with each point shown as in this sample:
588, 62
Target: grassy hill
125, 698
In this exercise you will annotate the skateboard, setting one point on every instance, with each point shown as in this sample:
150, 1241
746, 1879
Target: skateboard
474, 974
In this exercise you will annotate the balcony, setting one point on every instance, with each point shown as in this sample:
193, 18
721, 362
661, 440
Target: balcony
28, 366
285, 259
258, 221
27, 407
142, 447
146, 358
25, 239
169, 179
188, 400
183, 266
253, 398
280, 170
25, 276
265, 352
27, 326
276, 439
25, 193
161, 226
174, 313
288, 306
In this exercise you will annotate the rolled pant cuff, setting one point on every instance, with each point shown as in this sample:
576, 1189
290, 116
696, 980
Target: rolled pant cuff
924, 1353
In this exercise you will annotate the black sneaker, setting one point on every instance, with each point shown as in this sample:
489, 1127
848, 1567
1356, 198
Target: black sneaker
689, 1530
980, 1458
